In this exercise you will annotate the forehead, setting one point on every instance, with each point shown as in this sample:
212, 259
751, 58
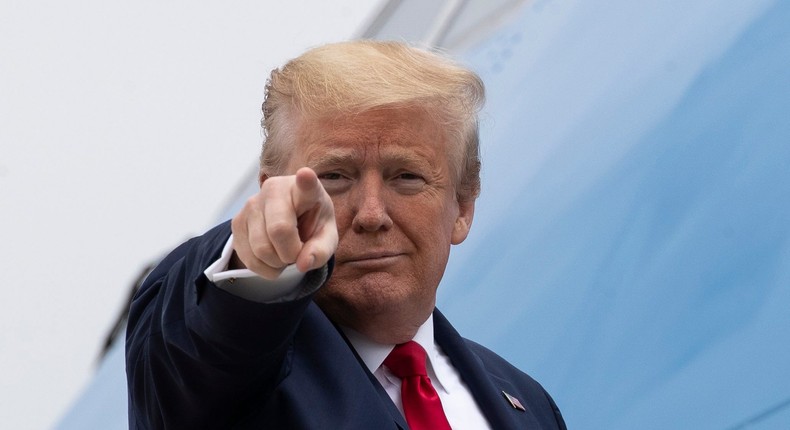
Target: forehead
390, 134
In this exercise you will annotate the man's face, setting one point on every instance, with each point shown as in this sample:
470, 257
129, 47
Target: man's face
388, 174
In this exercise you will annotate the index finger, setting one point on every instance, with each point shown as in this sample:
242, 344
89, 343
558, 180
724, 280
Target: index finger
308, 191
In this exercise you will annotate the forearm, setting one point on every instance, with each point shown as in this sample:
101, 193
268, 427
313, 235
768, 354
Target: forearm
196, 354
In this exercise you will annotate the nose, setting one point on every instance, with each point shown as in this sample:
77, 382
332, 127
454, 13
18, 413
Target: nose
371, 213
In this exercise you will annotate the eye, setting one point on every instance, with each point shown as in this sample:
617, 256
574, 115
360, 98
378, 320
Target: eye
334, 182
331, 176
407, 176
408, 182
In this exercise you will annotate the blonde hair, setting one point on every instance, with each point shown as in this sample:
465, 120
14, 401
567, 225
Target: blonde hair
354, 77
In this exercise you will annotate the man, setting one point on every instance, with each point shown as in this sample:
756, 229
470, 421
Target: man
289, 317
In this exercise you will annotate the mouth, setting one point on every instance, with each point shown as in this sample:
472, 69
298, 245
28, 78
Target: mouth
372, 258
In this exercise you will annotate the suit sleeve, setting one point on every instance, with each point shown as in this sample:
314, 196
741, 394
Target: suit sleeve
198, 356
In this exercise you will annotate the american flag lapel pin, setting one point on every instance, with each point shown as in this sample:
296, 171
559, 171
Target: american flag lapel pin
514, 402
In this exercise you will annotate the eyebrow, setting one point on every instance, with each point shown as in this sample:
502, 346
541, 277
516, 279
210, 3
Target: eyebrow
337, 157
334, 157
408, 158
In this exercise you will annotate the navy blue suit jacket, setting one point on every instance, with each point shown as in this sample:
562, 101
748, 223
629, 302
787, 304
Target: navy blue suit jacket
199, 357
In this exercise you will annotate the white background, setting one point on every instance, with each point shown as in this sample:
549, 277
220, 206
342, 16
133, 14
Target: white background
123, 128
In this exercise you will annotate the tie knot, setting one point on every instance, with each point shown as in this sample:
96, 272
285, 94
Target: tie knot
407, 359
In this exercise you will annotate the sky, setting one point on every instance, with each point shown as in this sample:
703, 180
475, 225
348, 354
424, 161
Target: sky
123, 129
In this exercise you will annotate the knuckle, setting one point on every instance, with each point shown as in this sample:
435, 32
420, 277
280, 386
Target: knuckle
235, 224
263, 250
279, 230
272, 183
252, 202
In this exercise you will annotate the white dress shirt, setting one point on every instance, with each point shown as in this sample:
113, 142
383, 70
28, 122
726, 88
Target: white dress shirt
459, 406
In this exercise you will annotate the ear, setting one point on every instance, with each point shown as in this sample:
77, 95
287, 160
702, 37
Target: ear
261, 178
463, 223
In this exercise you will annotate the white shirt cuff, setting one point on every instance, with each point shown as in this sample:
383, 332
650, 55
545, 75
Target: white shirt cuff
248, 285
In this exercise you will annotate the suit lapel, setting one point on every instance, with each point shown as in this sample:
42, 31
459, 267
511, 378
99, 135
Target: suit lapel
487, 389
382, 393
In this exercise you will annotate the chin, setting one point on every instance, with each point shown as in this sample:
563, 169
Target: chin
354, 303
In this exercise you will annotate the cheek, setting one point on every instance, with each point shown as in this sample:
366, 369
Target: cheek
343, 216
430, 231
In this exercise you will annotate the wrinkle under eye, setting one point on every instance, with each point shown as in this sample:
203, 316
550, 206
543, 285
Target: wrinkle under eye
408, 183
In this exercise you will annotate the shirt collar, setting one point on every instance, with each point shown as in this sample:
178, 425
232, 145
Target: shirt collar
373, 353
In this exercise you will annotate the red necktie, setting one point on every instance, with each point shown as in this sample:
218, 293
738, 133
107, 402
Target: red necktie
421, 403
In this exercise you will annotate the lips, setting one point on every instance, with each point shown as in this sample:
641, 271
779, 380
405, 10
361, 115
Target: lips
370, 257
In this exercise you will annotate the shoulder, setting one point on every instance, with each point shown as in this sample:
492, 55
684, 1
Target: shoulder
488, 374
498, 366
181, 266
524, 387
